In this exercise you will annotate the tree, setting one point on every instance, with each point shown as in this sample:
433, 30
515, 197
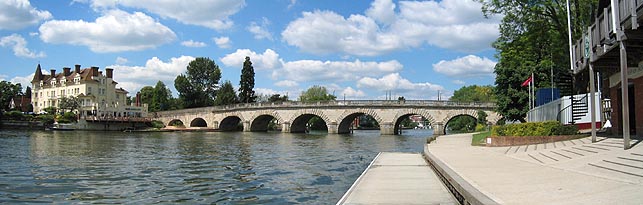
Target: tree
160, 97
474, 93
69, 103
247, 83
198, 86
28, 92
8, 91
278, 98
146, 94
227, 95
533, 39
316, 94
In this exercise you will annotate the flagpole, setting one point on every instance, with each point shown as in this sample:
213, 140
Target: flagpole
533, 90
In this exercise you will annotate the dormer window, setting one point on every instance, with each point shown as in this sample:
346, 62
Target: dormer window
53, 83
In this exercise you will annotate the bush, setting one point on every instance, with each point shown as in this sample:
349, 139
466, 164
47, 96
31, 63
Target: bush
481, 127
14, 115
67, 117
548, 128
157, 124
47, 120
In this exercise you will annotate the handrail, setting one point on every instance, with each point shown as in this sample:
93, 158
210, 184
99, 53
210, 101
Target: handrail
571, 105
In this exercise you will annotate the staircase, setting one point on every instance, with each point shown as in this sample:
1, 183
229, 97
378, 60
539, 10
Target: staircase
579, 108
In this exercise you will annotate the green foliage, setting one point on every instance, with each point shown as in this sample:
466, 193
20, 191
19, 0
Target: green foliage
474, 93
464, 123
481, 127
316, 94
226, 95
197, 87
8, 90
479, 138
247, 83
14, 115
160, 97
533, 39
278, 98
176, 123
157, 124
368, 121
47, 119
482, 117
67, 117
69, 103
316, 123
50, 110
548, 128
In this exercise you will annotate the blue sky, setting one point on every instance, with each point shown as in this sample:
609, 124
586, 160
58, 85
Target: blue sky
360, 50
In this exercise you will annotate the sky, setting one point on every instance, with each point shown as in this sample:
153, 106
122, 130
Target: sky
360, 50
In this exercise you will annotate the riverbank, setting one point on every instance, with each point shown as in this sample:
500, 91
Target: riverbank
566, 172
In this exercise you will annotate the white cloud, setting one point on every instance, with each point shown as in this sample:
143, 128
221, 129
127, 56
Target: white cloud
400, 86
208, 13
133, 78
458, 82
18, 14
222, 42
287, 83
193, 44
450, 24
349, 92
468, 66
269, 59
382, 11
292, 3
19, 46
333, 71
115, 31
121, 60
260, 31
24, 81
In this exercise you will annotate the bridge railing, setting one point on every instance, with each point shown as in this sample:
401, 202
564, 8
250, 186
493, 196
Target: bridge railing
295, 104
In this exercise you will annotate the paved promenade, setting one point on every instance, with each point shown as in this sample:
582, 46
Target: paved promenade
568, 172
398, 178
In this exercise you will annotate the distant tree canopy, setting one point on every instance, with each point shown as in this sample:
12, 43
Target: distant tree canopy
474, 93
69, 103
198, 86
316, 94
226, 95
158, 98
8, 90
247, 83
533, 39
278, 98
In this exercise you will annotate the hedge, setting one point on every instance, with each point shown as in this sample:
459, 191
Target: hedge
548, 128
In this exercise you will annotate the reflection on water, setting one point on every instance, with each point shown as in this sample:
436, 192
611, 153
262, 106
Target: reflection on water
222, 168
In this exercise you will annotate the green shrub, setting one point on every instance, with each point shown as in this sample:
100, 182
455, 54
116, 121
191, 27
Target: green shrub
480, 128
548, 128
157, 124
67, 117
47, 120
14, 115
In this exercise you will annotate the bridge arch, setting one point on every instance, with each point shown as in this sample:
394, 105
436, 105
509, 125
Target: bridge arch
346, 118
230, 123
175, 122
262, 119
400, 115
198, 122
301, 118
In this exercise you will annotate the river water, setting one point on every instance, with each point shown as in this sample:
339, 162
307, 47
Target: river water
188, 167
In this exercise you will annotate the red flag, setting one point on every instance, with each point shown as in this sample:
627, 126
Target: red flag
526, 82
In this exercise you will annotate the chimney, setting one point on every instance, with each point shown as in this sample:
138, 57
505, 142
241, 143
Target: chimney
109, 72
77, 69
53, 73
94, 71
67, 71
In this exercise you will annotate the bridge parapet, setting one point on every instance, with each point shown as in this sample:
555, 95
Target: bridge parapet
338, 103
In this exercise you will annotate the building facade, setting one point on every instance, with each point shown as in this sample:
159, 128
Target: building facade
97, 93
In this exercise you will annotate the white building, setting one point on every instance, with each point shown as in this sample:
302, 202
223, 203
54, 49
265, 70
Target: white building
98, 95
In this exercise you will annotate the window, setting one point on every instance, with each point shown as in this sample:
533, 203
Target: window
89, 90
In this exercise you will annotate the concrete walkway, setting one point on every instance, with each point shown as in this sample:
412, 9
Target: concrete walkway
569, 172
398, 178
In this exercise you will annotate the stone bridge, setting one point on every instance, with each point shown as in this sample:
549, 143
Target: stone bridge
338, 115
